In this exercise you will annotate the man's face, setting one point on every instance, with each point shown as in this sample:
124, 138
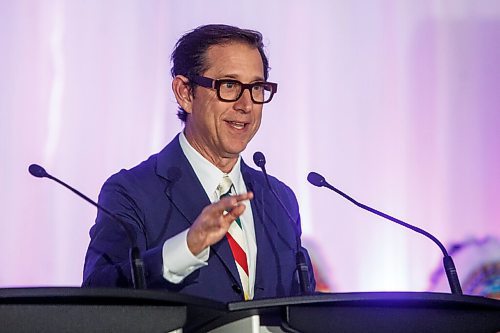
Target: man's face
218, 129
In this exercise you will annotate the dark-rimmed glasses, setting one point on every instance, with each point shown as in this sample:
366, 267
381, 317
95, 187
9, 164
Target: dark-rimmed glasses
229, 90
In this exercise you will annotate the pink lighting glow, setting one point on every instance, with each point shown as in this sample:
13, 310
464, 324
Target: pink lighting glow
397, 104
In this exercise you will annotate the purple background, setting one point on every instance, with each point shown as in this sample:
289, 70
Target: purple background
396, 102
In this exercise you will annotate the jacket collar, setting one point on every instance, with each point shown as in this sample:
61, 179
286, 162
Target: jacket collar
186, 193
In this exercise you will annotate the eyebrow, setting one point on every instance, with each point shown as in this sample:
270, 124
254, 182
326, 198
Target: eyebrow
235, 77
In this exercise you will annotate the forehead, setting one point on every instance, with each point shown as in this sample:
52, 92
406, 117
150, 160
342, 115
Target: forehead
235, 59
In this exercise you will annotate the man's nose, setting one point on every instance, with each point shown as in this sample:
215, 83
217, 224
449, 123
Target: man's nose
244, 103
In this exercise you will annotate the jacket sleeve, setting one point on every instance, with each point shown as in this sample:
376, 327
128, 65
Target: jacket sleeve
107, 262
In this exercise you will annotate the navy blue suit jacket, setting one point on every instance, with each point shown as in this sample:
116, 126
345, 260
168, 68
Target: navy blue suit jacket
160, 198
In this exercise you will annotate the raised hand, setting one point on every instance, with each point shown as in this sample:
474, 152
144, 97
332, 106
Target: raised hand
214, 222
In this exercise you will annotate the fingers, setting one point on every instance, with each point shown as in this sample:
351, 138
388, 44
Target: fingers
214, 221
234, 213
229, 203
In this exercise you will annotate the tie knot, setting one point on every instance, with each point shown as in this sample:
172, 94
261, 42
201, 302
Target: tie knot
224, 186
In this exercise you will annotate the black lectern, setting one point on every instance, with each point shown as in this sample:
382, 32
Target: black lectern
131, 310
102, 310
369, 312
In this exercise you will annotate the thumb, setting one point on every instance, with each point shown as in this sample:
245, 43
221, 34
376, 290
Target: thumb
234, 213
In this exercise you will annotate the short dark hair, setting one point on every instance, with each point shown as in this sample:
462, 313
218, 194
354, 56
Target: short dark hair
189, 55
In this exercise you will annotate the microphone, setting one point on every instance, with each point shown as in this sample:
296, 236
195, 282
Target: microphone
260, 160
136, 263
449, 267
300, 259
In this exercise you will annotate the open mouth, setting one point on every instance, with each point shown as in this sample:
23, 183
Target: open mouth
237, 125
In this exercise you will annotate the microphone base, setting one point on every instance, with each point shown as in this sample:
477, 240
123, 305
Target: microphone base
137, 269
451, 274
303, 272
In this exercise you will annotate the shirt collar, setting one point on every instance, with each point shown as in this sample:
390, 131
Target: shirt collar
208, 174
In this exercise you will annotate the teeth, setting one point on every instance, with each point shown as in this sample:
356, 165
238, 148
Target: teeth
237, 125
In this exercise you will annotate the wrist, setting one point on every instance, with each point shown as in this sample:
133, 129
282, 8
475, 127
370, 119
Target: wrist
195, 241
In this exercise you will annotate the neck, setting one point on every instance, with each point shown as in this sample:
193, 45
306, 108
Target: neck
224, 164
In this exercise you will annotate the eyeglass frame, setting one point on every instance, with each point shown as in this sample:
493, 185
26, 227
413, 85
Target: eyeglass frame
207, 82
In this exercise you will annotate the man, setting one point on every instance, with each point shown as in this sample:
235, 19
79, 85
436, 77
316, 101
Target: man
206, 223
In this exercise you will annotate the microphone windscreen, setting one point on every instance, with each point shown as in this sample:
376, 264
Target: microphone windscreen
259, 159
316, 179
37, 171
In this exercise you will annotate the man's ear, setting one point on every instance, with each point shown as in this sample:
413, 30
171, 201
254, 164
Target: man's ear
182, 92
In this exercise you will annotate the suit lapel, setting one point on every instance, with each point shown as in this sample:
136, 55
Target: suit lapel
258, 212
186, 193
183, 189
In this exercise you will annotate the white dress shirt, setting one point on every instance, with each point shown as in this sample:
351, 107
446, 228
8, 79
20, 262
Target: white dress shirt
178, 261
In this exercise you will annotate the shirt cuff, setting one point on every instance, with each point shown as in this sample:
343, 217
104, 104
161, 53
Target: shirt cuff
178, 261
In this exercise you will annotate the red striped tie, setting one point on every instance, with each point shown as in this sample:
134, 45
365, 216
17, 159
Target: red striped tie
237, 240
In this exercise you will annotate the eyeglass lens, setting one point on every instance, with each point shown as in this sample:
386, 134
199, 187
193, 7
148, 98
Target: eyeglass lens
231, 91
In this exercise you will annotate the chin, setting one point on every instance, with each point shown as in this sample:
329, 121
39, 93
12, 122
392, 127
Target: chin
235, 150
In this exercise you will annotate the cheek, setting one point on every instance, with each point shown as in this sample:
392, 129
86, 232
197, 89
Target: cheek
210, 103
208, 114
204, 100
258, 118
